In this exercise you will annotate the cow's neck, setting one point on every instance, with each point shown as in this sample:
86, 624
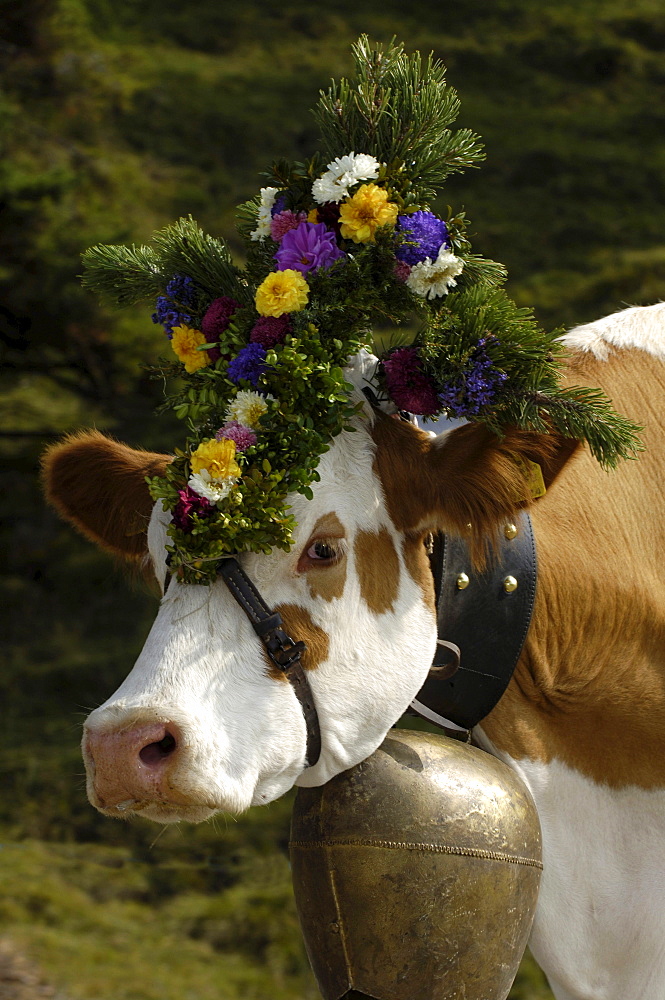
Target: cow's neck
589, 689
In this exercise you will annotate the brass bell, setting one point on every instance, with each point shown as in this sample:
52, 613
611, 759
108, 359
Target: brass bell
416, 873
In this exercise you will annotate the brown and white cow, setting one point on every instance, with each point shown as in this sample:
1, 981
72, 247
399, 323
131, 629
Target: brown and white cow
202, 723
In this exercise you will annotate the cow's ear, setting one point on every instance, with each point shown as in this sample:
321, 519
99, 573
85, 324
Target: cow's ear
466, 477
99, 485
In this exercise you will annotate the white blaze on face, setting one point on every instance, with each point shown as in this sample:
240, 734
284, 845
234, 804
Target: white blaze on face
344, 589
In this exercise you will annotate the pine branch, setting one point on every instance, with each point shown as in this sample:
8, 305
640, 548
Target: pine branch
123, 275
399, 110
183, 248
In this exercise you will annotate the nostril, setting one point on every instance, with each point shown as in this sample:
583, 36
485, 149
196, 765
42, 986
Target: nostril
154, 753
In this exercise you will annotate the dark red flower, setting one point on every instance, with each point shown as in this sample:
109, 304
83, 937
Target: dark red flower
270, 330
219, 314
190, 503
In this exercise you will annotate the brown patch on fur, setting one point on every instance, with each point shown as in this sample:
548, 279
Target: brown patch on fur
589, 689
470, 477
326, 581
98, 485
417, 565
299, 625
377, 566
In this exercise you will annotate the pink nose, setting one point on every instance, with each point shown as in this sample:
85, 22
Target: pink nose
131, 765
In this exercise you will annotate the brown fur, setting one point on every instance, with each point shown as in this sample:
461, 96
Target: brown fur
417, 565
377, 566
589, 689
471, 477
99, 486
325, 581
299, 625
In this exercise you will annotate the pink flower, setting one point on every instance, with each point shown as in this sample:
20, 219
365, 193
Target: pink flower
401, 270
243, 437
284, 222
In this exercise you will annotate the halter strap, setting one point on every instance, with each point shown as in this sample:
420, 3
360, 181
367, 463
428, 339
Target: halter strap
284, 651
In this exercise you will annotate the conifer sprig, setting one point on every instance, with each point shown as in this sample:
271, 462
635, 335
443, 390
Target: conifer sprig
399, 109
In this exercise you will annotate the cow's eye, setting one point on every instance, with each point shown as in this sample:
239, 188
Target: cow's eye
322, 552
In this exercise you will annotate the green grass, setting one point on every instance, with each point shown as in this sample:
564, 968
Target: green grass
104, 924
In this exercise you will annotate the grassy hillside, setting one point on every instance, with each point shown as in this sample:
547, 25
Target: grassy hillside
115, 117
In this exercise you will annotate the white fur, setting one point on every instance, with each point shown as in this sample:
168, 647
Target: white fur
639, 326
599, 932
202, 666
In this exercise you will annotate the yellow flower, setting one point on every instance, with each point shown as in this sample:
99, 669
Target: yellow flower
184, 342
313, 215
217, 458
282, 292
363, 214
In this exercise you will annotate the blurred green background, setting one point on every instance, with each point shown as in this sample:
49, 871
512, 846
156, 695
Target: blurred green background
115, 117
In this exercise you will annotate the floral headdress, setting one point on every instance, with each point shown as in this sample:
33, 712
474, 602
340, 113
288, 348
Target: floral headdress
336, 247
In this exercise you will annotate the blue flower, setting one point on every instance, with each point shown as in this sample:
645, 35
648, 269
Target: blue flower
423, 235
474, 388
249, 364
167, 314
181, 291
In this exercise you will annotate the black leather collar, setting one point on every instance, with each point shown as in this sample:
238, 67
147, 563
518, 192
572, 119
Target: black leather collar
486, 619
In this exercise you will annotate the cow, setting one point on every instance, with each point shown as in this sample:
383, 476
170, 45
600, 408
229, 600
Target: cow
205, 723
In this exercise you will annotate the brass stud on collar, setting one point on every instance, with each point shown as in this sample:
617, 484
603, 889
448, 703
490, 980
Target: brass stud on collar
462, 581
510, 530
510, 584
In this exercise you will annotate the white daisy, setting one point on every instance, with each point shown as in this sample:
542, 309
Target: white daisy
433, 278
343, 173
248, 407
212, 489
267, 201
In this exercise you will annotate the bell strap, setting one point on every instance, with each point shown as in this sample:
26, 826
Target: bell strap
487, 615
284, 651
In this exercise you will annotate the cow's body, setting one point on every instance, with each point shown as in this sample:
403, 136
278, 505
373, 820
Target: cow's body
583, 721
202, 725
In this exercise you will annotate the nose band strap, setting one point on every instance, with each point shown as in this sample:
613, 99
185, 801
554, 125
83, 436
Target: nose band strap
284, 651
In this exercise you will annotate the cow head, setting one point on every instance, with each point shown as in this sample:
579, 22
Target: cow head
203, 722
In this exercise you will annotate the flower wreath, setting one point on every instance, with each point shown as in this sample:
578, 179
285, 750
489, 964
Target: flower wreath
336, 246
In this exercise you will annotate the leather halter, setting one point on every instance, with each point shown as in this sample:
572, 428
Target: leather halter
485, 623
284, 651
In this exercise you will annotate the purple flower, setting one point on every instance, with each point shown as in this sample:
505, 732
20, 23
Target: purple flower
218, 315
308, 248
475, 387
248, 364
408, 385
270, 330
278, 205
423, 235
243, 437
190, 503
